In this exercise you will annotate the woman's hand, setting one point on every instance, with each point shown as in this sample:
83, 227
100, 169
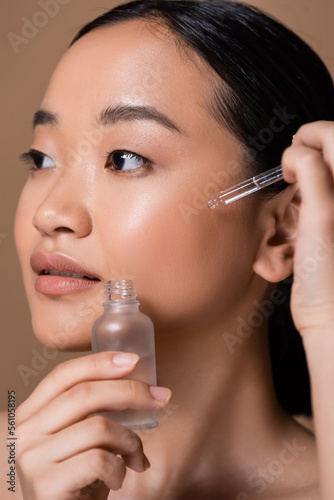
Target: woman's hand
309, 161
60, 451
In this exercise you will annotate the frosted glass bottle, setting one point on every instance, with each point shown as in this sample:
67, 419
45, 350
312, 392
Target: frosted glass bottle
122, 327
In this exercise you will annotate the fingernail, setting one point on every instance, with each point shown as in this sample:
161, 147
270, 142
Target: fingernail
125, 359
160, 393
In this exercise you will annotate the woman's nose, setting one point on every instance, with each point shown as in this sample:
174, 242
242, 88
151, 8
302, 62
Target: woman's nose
63, 212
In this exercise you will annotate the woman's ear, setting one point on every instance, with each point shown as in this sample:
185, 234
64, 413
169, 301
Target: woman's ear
274, 259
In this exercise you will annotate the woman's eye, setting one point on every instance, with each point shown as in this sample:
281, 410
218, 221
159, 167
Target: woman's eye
37, 160
124, 160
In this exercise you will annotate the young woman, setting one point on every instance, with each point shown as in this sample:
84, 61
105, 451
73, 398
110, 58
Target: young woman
155, 107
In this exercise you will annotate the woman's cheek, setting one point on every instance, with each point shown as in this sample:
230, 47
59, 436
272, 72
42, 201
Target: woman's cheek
174, 263
24, 234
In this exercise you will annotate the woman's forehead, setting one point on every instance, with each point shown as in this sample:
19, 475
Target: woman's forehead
132, 62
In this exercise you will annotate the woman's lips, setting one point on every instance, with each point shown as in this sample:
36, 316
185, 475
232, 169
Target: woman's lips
60, 285
48, 284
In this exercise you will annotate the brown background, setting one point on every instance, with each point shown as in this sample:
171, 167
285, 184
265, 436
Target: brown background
24, 77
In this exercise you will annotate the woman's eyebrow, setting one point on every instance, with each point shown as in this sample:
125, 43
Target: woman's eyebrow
113, 114
43, 117
123, 112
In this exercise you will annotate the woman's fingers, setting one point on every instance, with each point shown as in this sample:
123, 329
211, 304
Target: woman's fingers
307, 167
63, 444
309, 161
96, 432
88, 468
318, 135
91, 466
104, 365
87, 398
314, 139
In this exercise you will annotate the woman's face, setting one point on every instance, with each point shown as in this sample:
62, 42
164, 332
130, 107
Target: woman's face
148, 221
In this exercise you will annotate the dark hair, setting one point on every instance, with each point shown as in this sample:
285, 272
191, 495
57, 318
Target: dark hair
269, 83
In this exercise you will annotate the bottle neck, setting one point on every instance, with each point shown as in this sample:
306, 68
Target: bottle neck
120, 295
121, 306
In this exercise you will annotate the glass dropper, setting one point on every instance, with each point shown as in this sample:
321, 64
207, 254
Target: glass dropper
247, 187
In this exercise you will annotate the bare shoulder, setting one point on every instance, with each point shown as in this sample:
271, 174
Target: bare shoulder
300, 480
9, 483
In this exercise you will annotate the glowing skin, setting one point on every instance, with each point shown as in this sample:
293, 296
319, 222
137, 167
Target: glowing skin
195, 277
133, 224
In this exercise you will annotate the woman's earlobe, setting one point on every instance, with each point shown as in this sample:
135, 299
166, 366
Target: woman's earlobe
274, 260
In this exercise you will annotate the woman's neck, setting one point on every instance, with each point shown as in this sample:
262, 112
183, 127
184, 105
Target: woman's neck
223, 416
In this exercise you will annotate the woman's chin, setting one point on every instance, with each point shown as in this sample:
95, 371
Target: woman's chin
62, 336
60, 345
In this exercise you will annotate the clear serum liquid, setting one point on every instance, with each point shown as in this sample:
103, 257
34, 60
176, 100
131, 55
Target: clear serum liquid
122, 327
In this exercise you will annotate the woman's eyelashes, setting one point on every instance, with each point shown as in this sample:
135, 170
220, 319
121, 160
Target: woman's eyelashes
117, 161
37, 160
125, 161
